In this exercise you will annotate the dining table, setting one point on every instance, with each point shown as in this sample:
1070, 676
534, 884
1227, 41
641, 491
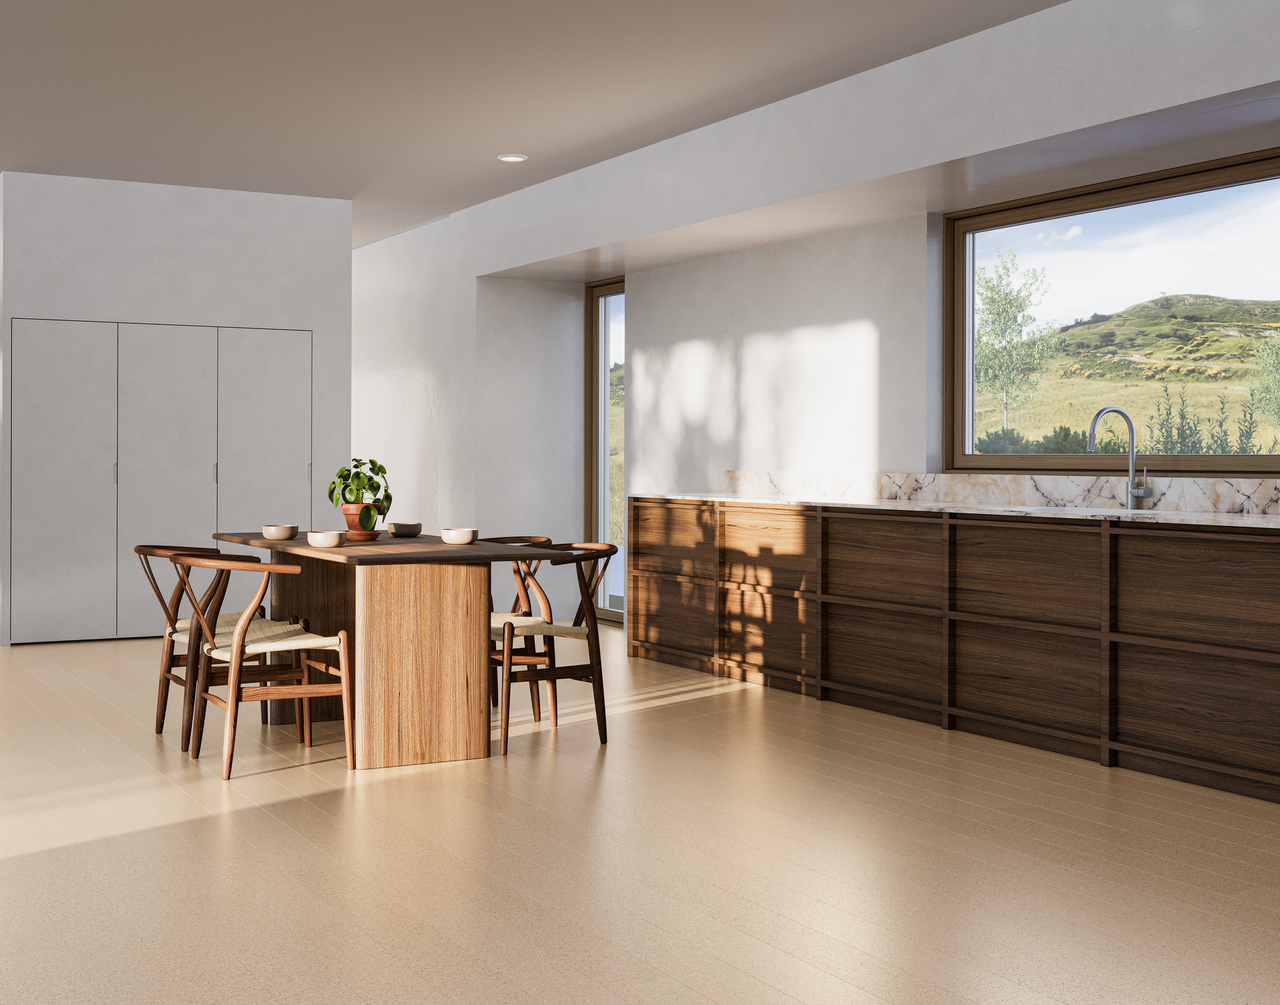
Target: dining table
417, 610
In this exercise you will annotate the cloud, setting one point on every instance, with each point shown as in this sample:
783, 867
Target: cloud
1221, 243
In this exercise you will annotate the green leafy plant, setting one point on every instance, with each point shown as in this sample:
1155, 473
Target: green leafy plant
352, 485
1063, 440
1009, 352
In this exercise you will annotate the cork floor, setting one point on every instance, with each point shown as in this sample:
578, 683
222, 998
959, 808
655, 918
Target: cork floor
730, 844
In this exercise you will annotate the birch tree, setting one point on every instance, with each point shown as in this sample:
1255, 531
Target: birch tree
1009, 352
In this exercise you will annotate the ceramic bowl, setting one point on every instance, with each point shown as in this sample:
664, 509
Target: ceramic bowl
459, 535
280, 531
326, 538
404, 529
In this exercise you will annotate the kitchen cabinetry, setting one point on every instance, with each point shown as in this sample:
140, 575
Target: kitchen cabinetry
1143, 645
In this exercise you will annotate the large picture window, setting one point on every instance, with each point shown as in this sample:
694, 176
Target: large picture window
1160, 296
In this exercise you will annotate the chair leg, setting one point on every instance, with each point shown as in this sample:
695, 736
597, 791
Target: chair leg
162, 698
304, 704
508, 640
233, 709
597, 687
535, 693
201, 705
188, 699
549, 649
348, 697
493, 685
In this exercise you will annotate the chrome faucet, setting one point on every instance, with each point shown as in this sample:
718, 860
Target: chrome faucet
1133, 492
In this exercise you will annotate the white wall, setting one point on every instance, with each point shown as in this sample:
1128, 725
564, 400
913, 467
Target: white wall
967, 123
529, 427
811, 355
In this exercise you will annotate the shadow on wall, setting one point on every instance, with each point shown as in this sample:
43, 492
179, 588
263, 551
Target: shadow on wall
803, 399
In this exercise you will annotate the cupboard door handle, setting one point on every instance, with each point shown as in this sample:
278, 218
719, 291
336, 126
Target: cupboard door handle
115, 473
215, 474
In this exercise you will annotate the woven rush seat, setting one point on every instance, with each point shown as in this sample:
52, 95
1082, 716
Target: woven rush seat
278, 638
226, 622
524, 626
258, 628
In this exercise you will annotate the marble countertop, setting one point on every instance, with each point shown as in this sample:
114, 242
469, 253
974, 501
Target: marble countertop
1175, 517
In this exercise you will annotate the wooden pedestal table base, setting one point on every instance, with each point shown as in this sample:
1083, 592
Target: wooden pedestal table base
422, 682
418, 610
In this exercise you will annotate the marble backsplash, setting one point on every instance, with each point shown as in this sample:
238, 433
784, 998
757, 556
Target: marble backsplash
1260, 496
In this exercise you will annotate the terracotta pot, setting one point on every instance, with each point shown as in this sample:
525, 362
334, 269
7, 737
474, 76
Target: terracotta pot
351, 513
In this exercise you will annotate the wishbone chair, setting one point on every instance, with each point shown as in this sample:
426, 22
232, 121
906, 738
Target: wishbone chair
176, 632
250, 638
520, 606
591, 562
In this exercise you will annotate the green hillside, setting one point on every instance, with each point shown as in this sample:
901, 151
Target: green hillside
1180, 338
1202, 343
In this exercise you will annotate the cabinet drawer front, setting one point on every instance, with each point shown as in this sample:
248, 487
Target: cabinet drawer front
895, 561
1033, 677
776, 547
1035, 574
1222, 710
1199, 590
673, 615
679, 540
899, 654
768, 632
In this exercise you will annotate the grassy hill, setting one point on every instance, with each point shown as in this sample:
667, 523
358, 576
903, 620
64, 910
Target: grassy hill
1202, 343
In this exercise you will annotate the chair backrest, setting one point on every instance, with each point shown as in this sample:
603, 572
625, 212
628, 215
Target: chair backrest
146, 552
592, 560
525, 574
206, 614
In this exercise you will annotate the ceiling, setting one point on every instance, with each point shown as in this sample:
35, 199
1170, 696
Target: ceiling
403, 106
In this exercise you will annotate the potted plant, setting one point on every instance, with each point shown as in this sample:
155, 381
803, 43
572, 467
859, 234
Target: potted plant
361, 496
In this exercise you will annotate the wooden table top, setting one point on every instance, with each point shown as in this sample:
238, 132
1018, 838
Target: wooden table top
388, 550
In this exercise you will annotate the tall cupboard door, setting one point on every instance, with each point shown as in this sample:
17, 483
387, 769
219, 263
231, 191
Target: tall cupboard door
264, 434
62, 484
168, 446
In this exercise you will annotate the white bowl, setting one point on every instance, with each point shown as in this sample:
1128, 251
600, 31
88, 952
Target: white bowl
279, 531
459, 535
326, 538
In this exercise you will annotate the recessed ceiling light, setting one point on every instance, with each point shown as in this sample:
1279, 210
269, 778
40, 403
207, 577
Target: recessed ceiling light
512, 158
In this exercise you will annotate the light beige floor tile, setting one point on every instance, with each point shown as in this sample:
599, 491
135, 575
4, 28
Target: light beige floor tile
731, 844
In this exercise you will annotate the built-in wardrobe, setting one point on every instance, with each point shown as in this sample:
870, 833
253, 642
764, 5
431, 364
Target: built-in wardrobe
124, 434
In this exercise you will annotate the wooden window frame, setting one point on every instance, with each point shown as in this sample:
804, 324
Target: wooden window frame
591, 416
1241, 169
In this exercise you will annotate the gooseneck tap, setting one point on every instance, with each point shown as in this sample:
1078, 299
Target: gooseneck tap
1133, 491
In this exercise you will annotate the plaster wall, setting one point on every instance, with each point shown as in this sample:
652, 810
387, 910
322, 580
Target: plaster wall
529, 425
964, 124
809, 355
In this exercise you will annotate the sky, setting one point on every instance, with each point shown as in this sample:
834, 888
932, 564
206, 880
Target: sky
617, 321
1222, 243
